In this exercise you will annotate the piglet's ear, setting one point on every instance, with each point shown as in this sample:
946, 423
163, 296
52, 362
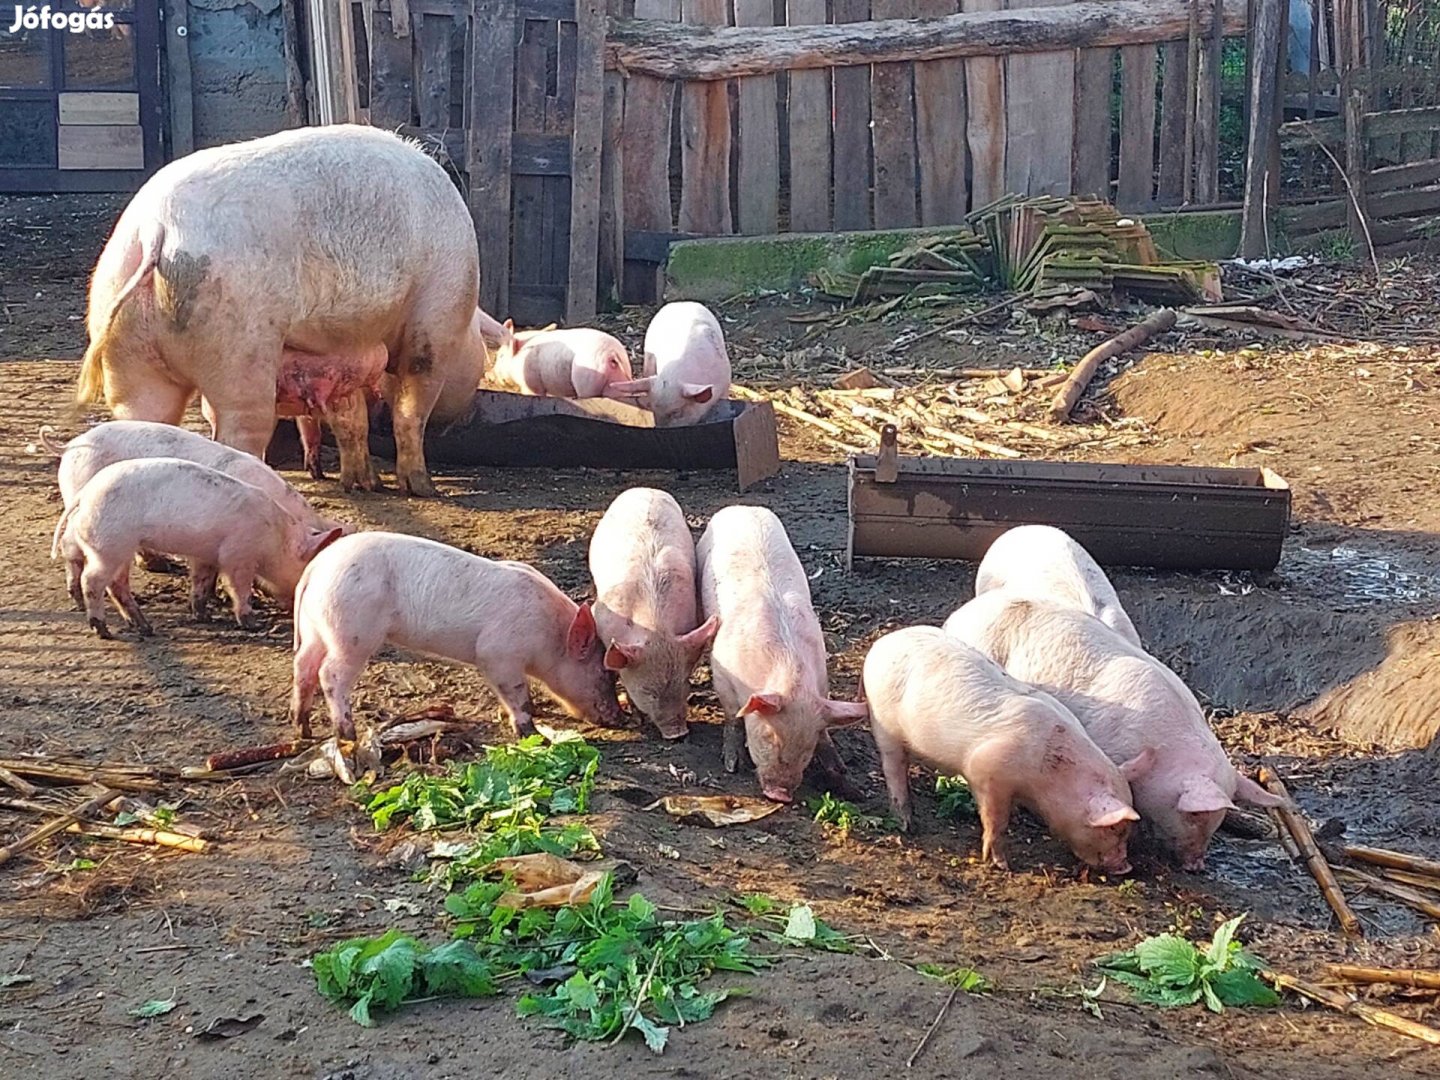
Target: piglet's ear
762, 705
581, 636
632, 388
1139, 765
1248, 791
1204, 797
701, 392
1111, 814
695, 641
320, 540
618, 657
839, 714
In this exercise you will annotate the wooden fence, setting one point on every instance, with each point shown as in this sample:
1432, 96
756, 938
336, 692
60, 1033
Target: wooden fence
588, 139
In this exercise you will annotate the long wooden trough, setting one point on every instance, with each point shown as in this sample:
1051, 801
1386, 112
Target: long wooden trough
505, 430
1163, 516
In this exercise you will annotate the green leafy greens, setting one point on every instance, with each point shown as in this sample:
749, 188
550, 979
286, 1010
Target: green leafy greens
955, 799
387, 971
1169, 971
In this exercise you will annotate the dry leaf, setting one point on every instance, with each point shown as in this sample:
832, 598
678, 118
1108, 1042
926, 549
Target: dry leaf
546, 880
1015, 381
859, 379
716, 809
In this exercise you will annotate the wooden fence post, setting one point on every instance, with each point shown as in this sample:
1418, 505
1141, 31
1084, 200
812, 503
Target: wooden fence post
705, 139
1136, 188
610, 273
585, 160
1039, 116
985, 121
1264, 124
649, 113
177, 60
809, 120
758, 176
852, 130
892, 129
1207, 107
488, 134
940, 131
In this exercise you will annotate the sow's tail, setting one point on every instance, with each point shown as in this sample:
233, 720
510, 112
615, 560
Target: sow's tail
91, 386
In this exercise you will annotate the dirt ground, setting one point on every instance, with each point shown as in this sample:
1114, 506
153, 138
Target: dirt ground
1309, 667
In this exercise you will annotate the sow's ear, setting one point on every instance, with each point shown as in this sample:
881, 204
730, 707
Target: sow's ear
761, 705
839, 714
1248, 791
581, 635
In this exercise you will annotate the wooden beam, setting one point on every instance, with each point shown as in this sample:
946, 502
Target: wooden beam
610, 259
585, 160
1094, 87
645, 150
1207, 107
296, 110
1039, 112
940, 131
985, 116
432, 40
177, 64
892, 131
702, 53
852, 128
1264, 120
1135, 190
1173, 107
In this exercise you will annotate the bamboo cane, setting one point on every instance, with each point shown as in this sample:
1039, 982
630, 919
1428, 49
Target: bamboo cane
1299, 831
1345, 1004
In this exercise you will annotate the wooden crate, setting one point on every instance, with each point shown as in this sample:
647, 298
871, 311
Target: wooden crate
1163, 516
518, 431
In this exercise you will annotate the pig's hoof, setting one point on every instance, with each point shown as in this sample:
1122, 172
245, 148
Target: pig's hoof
315, 470
418, 485
143, 628
248, 622
101, 630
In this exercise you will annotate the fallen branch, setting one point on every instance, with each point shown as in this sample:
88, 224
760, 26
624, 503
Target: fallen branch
257, 755
1395, 860
157, 837
1409, 897
24, 787
1070, 391
1425, 980
1345, 1004
126, 779
806, 418
968, 443
1299, 831
951, 324
1405, 877
945, 1008
60, 824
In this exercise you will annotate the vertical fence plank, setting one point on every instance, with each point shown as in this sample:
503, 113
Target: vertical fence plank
1094, 86
940, 130
1039, 117
432, 38
532, 228
809, 128
985, 117
1207, 107
391, 71
892, 129
488, 133
585, 160
1137, 126
758, 176
181, 88
705, 139
852, 130
1173, 107
1265, 37
649, 112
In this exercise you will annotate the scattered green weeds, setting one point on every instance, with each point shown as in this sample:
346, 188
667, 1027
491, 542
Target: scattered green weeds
1169, 971
967, 979
842, 816
954, 798
394, 969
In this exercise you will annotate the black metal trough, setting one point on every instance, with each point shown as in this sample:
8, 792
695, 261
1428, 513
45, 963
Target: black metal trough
1163, 516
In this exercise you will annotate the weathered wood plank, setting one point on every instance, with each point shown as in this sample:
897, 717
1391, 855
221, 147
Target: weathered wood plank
1039, 116
92, 146
560, 107
758, 175
892, 130
1176, 58
649, 113
589, 101
1094, 86
1264, 121
940, 130
985, 116
99, 108
705, 139
489, 126
530, 81
1207, 107
432, 43
691, 52
400, 17
539, 155
295, 107
852, 128
391, 72
1403, 176
181, 88
1137, 127
808, 115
